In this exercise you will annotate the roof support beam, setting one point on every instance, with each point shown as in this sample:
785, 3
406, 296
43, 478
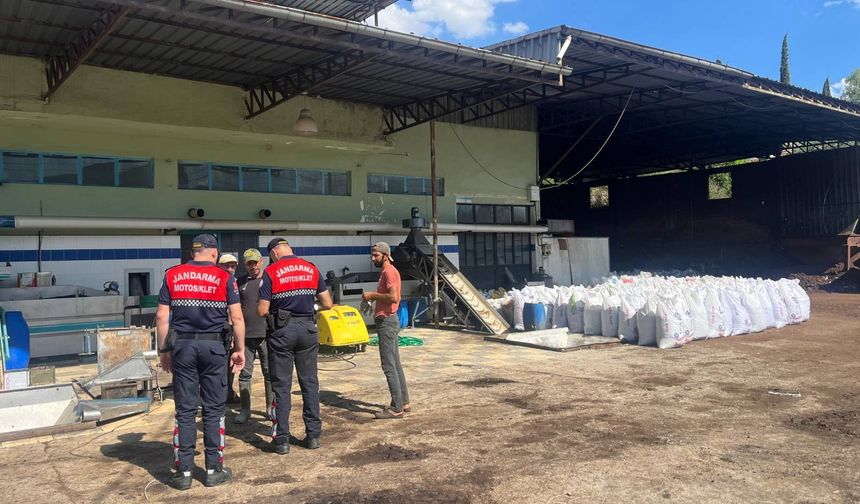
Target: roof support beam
268, 95
81, 47
485, 101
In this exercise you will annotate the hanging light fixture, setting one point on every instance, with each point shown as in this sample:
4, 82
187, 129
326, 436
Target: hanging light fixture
305, 124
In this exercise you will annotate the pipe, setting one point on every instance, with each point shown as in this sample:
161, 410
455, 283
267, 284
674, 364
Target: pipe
344, 25
124, 223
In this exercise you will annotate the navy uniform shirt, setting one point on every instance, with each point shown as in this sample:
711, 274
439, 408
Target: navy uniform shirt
198, 294
292, 284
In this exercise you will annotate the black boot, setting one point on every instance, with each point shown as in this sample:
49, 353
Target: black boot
245, 399
180, 480
217, 477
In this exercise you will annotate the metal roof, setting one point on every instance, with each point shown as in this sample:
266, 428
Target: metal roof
671, 110
678, 110
273, 51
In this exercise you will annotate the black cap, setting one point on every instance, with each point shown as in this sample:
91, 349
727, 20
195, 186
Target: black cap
203, 241
275, 242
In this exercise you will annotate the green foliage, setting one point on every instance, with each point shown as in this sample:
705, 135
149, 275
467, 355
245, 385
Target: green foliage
599, 196
852, 87
720, 185
784, 71
826, 90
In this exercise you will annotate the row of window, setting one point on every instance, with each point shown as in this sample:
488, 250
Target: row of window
495, 249
492, 214
399, 184
49, 168
217, 177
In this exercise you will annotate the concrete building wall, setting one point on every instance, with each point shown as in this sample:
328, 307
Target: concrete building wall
108, 112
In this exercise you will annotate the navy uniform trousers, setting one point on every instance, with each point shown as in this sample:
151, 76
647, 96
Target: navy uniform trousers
297, 344
199, 371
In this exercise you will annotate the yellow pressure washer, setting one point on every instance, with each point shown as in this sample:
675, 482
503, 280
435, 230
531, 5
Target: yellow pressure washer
342, 326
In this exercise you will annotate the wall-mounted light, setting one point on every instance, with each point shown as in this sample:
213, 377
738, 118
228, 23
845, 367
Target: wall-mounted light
265, 213
196, 213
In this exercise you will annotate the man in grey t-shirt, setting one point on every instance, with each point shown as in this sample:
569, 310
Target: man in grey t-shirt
255, 334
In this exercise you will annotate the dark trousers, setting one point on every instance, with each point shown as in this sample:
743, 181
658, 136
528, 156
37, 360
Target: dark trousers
387, 329
254, 347
296, 343
199, 372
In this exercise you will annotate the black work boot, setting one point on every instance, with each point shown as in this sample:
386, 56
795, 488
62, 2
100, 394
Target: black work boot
245, 399
312, 443
181, 480
281, 445
217, 476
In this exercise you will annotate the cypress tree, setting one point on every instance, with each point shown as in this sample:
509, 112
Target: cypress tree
826, 90
784, 72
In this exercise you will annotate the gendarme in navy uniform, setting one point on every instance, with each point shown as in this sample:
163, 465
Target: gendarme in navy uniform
194, 302
289, 289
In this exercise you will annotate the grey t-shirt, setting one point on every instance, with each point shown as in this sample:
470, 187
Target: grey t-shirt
249, 294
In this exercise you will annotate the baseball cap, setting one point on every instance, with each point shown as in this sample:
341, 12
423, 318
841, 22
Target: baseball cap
204, 241
252, 254
275, 242
383, 248
227, 258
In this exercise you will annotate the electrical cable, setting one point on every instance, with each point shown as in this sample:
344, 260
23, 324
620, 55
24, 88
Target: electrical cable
570, 149
621, 115
335, 357
479, 163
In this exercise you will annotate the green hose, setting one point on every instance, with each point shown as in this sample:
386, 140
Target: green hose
402, 340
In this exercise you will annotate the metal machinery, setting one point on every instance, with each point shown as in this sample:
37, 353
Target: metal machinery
347, 290
852, 241
463, 304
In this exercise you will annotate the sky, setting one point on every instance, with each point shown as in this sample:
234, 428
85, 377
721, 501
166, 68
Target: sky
823, 35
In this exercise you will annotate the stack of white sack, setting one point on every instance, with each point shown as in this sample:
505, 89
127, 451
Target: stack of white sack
664, 311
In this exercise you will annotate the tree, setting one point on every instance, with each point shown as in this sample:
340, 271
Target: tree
826, 90
784, 72
852, 87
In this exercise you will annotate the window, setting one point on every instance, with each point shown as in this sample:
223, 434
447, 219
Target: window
492, 214
60, 169
255, 179
284, 181
495, 249
193, 176
50, 168
599, 196
225, 178
401, 184
20, 167
135, 173
212, 177
720, 186
465, 214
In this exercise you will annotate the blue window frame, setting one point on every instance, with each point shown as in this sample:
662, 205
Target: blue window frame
22, 167
403, 184
203, 176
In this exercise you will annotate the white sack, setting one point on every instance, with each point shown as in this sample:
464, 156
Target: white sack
593, 309
741, 323
674, 325
609, 316
646, 323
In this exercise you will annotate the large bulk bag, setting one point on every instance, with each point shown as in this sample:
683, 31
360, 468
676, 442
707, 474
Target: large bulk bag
764, 299
673, 323
700, 324
758, 318
719, 316
630, 305
609, 316
519, 305
576, 311
592, 315
792, 302
741, 323
646, 323
780, 310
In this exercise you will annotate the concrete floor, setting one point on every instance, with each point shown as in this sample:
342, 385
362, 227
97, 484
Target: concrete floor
496, 424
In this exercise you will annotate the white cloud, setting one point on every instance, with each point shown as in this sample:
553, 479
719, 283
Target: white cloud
838, 88
517, 28
832, 3
464, 19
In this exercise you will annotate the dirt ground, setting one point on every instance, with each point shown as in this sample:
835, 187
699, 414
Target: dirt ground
770, 417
